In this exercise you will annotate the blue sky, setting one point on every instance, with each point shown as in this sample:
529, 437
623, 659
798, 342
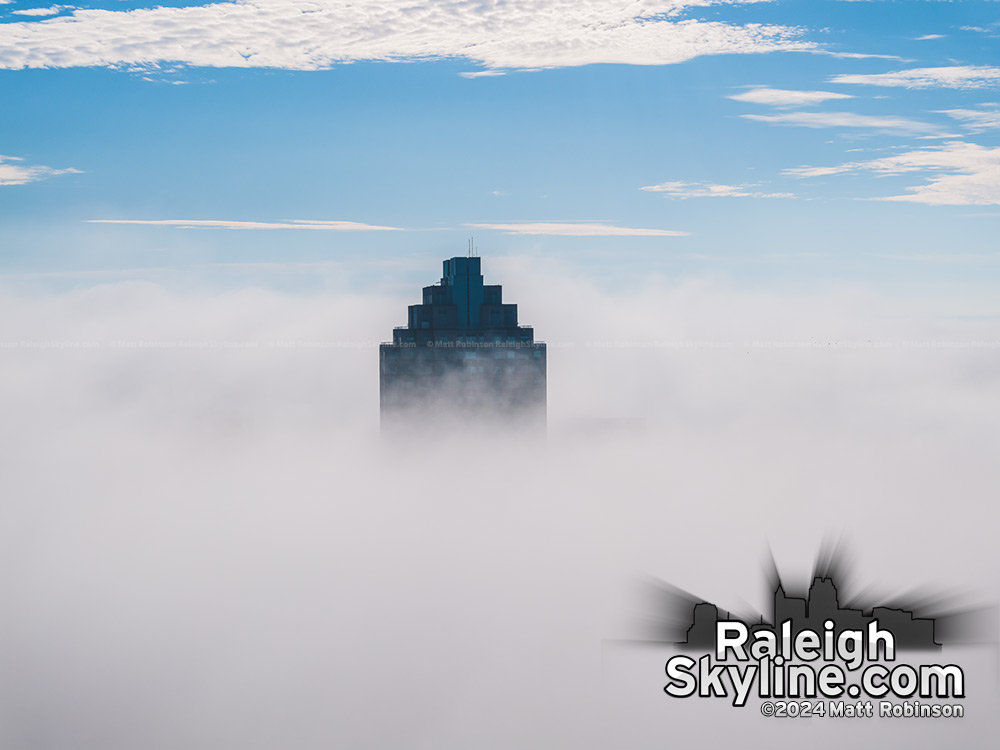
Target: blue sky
801, 141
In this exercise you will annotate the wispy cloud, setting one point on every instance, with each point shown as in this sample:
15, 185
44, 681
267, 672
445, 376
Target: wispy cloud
846, 120
977, 120
578, 229
959, 174
14, 172
928, 37
990, 29
710, 190
786, 98
858, 55
315, 34
481, 73
329, 226
956, 77
52, 11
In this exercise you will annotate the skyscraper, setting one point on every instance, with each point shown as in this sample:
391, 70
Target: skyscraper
462, 355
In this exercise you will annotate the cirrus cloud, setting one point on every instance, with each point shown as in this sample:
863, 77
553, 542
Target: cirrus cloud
976, 120
846, 120
51, 11
955, 77
680, 189
329, 226
959, 174
310, 35
578, 229
786, 98
14, 172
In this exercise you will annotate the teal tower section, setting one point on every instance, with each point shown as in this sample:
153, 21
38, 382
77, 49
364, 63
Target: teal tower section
462, 356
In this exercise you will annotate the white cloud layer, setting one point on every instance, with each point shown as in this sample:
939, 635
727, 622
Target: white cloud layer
304, 35
14, 172
329, 226
578, 229
960, 174
955, 77
846, 120
207, 548
680, 189
786, 98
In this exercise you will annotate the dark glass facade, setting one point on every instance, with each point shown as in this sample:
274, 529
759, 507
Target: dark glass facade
462, 354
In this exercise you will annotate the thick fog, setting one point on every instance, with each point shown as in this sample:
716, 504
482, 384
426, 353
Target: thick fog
207, 545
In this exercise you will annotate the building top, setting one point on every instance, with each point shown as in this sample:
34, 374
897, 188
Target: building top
462, 308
